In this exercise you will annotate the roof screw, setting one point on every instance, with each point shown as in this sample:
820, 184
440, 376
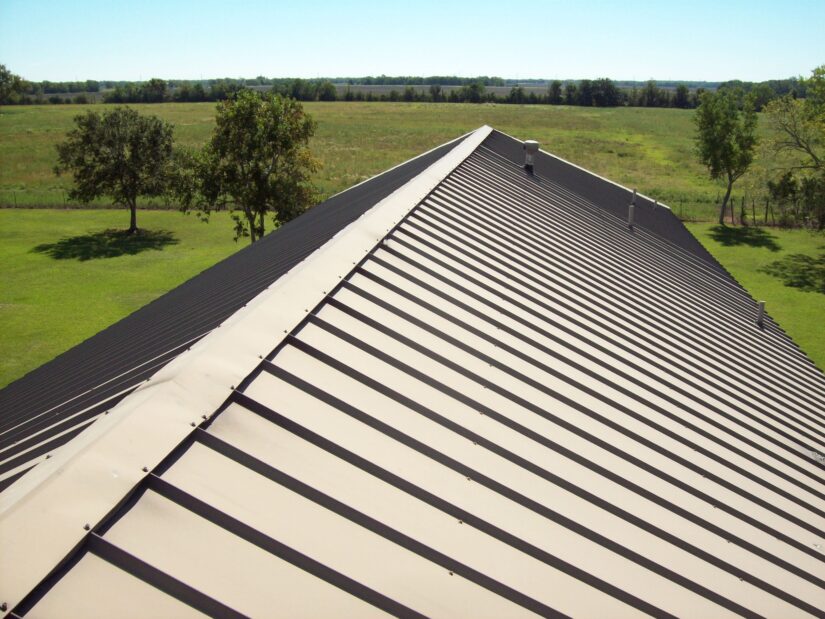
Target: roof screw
145, 469
192, 424
4, 607
86, 527
48, 456
203, 417
231, 386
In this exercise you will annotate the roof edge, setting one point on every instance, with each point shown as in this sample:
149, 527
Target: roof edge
591, 172
62, 498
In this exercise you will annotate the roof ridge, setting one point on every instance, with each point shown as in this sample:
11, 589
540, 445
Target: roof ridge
147, 425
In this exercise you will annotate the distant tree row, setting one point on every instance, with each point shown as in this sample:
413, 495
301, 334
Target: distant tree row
602, 92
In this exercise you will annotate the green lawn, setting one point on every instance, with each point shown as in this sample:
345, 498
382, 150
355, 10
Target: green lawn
54, 292
784, 268
650, 149
51, 298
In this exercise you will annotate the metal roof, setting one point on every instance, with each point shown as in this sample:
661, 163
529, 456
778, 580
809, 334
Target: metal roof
49, 406
487, 396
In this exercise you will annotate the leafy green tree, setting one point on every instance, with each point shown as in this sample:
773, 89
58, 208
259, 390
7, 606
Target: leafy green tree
725, 139
326, 91
605, 93
11, 85
472, 92
154, 91
682, 97
517, 95
586, 93
571, 96
799, 136
119, 154
554, 93
256, 164
800, 123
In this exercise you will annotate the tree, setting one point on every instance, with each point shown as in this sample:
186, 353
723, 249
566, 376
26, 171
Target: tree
800, 123
256, 164
799, 136
11, 85
570, 94
725, 138
554, 93
682, 97
154, 91
119, 154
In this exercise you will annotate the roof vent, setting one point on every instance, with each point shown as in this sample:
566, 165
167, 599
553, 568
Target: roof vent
760, 314
531, 147
631, 210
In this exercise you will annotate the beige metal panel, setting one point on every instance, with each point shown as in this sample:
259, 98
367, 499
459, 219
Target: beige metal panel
96, 589
355, 356
603, 266
570, 353
223, 566
416, 519
319, 533
584, 304
94, 471
671, 312
596, 335
562, 313
531, 394
590, 284
520, 521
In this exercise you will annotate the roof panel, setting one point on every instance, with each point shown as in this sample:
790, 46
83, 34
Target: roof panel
511, 403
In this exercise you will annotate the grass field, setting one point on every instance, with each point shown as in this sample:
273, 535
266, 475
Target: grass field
63, 278
650, 149
784, 268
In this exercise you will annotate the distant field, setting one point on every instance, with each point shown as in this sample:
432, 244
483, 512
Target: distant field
62, 280
650, 149
57, 288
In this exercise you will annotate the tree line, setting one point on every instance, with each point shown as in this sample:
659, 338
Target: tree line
788, 173
602, 92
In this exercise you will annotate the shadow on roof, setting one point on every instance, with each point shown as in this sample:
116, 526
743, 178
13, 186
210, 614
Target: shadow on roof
755, 237
106, 244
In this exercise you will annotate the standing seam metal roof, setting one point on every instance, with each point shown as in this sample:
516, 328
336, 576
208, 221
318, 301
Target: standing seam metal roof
52, 404
512, 404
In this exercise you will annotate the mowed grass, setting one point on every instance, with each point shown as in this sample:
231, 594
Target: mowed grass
784, 268
650, 149
48, 304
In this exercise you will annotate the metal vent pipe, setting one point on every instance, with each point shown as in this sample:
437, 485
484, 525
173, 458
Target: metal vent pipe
531, 147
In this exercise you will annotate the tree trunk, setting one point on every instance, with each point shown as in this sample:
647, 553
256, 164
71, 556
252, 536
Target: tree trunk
725, 202
132, 219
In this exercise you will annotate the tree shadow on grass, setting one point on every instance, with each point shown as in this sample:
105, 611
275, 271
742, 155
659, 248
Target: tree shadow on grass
754, 237
107, 244
800, 271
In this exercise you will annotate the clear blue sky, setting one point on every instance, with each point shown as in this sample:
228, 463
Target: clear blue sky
697, 40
